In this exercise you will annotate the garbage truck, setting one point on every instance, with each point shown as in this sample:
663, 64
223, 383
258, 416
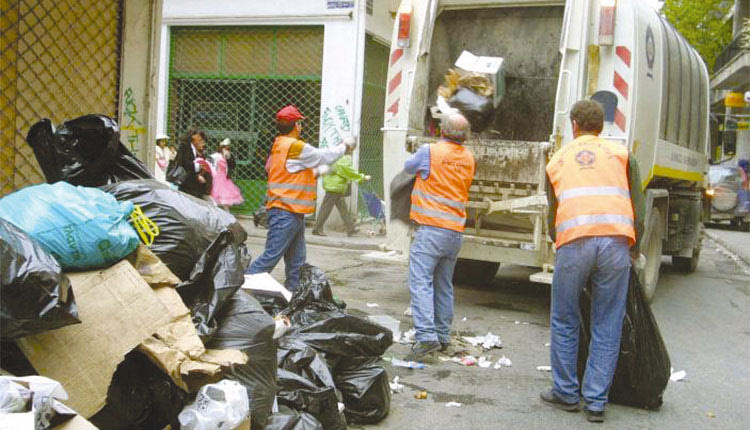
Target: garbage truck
652, 84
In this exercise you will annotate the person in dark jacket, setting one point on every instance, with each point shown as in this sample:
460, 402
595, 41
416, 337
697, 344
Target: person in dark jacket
195, 179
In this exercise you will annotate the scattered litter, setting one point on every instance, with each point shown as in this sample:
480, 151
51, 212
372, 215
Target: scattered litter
463, 319
373, 305
217, 405
544, 368
421, 395
488, 341
396, 387
484, 362
710, 414
504, 361
522, 322
453, 405
408, 364
407, 312
547, 344
467, 360
409, 336
677, 376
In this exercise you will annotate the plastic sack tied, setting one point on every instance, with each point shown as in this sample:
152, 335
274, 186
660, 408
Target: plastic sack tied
219, 406
365, 388
314, 292
34, 293
643, 366
476, 108
83, 228
400, 189
299, 393
289, 419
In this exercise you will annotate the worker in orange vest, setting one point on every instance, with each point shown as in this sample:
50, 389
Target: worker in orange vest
438, 205
597, 208
293, 168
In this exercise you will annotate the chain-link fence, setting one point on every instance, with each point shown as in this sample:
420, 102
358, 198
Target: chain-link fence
230, 82
58, 59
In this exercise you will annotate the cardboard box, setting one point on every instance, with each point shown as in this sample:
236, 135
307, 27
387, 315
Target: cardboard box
490, 66
118, 311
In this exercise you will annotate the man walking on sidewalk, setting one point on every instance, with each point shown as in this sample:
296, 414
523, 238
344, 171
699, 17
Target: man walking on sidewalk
337, 187
597, 207
438, 205
293, 168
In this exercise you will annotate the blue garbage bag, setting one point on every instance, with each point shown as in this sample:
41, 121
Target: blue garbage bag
83, 228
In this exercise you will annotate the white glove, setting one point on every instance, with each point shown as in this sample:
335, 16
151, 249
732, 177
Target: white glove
323, 169
350, 142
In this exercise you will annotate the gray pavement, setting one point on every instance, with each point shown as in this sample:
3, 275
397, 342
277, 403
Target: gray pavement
737, 242
336, 239
702, 316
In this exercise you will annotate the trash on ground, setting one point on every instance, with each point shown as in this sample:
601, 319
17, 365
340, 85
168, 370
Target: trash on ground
421, 395
373, 305
396, 387
463, 319
282, 325
483, 362
453, 405
264, 284
710, 415
522, 322
504, 361
677, 376
407, 312
217, 406
365, 389
487, 341
466, 360
408, 364
547, 344
544, 368
388, 322
409, 336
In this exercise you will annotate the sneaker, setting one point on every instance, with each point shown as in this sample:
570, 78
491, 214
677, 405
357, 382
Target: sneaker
548, 397
420, 350
594, 416
318, 233
444, 346
352, 232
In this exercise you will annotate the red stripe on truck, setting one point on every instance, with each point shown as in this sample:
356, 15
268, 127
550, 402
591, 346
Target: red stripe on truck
620, 119
394, 107
396, 54
621, 85
624, 53
394, 83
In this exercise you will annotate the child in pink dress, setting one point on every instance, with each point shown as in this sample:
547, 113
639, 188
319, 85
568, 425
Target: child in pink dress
224, 191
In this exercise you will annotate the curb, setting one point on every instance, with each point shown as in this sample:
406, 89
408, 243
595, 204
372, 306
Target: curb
330, 242
740, 254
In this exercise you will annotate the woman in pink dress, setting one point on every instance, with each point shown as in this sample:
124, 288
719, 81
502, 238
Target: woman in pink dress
224, 191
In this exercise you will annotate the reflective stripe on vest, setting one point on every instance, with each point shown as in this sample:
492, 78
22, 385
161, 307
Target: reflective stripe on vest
440, 200
294, 192
590, 180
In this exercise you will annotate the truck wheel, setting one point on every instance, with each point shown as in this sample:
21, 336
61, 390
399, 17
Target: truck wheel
687, 264
474, 272
744, 226
650, 274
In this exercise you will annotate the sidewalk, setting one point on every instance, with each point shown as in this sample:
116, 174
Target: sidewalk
334, 239
736, 242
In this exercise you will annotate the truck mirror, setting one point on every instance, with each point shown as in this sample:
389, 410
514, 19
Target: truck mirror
728, 141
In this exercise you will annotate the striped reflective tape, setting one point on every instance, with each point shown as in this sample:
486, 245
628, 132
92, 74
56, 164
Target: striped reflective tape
442, 200
593, 191
437, 214
593, 219
287, 200
280, 186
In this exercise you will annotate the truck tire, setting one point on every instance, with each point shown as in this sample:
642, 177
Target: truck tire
474, 272
650, 275
687, 264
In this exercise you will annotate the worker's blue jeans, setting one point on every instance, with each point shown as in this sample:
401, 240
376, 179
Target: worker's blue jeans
431, 261
286, 238
605, 261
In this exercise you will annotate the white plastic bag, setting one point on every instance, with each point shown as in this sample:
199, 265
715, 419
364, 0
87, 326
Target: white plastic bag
13, 397
220, 406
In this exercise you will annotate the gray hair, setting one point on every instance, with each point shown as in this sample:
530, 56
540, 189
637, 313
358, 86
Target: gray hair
455, 127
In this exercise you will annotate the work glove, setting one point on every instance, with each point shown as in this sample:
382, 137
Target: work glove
350, 142
321, 170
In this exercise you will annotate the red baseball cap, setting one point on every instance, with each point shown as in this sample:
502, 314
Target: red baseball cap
289, 113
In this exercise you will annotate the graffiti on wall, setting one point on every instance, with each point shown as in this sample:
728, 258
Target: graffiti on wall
335, 125
132, 125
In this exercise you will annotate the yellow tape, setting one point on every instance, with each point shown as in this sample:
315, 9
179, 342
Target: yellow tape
146, 228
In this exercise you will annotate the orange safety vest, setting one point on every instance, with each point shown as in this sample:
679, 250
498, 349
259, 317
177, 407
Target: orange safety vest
440, 200
590, 180
293, 192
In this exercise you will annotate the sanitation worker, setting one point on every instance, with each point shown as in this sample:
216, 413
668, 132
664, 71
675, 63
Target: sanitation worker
438, 205
293, 168
597, 209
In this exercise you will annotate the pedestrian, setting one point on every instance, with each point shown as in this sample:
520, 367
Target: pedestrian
293, 167
597, 208
162, 157
337, 186
190, 171
438, 205
224, 191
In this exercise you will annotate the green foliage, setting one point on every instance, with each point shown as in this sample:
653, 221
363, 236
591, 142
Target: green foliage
702, 23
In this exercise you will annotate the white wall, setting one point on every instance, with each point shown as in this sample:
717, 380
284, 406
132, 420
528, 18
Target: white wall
380, 23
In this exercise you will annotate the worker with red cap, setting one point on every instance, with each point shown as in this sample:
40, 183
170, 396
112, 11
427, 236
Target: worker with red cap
293, 168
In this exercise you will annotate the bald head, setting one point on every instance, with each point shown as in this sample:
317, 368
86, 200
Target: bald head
455, 127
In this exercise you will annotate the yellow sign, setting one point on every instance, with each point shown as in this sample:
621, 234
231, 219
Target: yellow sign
743, 125
734, 100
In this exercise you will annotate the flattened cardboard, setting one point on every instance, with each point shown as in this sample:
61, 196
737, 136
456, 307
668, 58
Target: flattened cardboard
118, 311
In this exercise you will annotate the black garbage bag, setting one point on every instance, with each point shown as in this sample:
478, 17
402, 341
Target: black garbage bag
34, 293
260, 216
400, 188
299, 358
84, 151
299, 393
245, 326
365, 388
643, 366
476, 108
140, 396
289, 419
314, 292
338, 333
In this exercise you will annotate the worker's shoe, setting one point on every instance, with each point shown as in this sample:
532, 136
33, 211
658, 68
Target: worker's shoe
444, 346
548, 397
352, 232
594, 416
421, 350
318, 233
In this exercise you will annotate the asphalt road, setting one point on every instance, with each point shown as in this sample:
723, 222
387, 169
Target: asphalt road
704, 318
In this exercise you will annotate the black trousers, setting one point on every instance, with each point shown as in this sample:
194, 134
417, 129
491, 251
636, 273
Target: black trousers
326, 207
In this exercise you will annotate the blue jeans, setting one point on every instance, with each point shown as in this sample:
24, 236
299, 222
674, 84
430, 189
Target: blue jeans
286, 238
431, 261
605, 261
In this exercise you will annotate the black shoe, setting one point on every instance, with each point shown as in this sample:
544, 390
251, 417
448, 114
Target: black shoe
420, 350
444, 346
351, 233
318, 233
551, 399
594, 416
